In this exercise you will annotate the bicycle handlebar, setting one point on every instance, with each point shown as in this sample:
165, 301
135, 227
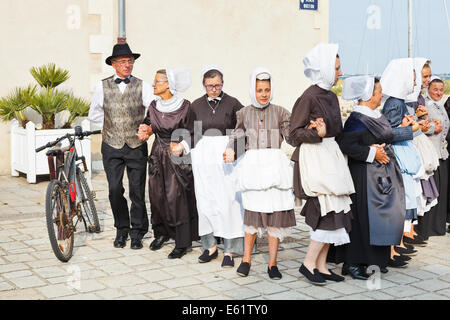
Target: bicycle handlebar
78, 133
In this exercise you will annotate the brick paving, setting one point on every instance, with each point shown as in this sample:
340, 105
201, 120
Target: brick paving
97, 270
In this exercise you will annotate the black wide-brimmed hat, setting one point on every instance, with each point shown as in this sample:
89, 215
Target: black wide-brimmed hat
121, 50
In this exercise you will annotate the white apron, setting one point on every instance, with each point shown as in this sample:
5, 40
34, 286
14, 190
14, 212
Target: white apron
265, 179
219, 204
428, 155
325, 175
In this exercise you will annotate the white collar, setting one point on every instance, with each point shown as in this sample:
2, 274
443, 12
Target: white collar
170, 105
365, 110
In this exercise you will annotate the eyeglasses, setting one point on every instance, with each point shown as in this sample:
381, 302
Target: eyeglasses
124, 62
215, 87
156, 81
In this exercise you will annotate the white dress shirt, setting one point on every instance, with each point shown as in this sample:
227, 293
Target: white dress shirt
96, 112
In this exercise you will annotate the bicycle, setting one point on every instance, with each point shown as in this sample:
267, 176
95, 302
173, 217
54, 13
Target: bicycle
68, 199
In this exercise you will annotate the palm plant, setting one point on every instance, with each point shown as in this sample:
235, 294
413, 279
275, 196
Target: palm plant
48, 102
13, 105
78, 107
48, 76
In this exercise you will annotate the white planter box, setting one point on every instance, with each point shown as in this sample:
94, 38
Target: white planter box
25, 141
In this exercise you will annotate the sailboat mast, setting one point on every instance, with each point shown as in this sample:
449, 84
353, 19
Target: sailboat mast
410, 38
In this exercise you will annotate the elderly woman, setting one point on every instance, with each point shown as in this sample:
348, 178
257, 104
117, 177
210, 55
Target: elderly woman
378, 203
398, 81
220, 212
430, 159
264, 174
438, 116
171, 185
321, 174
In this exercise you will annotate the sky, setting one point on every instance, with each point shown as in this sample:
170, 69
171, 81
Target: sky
372, 32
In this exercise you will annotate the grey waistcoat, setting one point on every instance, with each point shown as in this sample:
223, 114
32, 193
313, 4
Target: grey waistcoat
123, 113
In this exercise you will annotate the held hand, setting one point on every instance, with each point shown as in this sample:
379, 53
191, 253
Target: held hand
381, 155
321, 128
424, 125
438, 126
142, 136
415, 126
176, 149
312, 125
421, 111
406, 121
145, 129
228, 155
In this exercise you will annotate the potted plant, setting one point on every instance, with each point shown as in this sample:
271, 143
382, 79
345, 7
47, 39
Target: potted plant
48, 101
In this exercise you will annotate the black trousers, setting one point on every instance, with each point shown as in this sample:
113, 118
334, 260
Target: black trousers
135, 161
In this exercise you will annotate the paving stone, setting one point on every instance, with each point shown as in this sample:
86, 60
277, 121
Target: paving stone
179, 282
109, 294
121, 281
404, 291
319, 292
432, 285
266, 287
27, 282
17, 274
197, 292
288, 295
56, 291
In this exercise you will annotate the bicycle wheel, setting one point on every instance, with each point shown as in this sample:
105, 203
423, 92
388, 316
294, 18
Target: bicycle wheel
58, 221
89, 211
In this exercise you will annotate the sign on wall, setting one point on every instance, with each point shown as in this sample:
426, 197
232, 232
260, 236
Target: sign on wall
309, 4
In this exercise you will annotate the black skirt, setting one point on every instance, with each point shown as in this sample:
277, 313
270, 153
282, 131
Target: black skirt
433, 222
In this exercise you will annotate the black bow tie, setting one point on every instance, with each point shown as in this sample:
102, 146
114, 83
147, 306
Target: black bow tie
118, 80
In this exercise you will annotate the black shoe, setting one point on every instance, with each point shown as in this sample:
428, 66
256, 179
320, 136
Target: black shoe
177, 253
136, 244
384, 270
158, 243
332, 277
355, 271
120, 241
206, 257
448, 229
403, 258
227, 262
396, 263
243, 269
315, 278
274, 273
406, 252
416, 241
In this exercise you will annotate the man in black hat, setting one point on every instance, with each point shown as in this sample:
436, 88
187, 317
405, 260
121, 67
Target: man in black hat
119, 105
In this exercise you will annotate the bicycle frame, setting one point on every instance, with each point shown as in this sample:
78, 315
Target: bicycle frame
65, 171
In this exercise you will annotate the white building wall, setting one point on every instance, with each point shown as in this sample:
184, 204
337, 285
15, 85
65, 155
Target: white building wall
238, 35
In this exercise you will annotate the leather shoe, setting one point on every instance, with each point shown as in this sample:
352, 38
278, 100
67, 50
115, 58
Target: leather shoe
120, 241
355, 271
177, 253
417, 241
136, 244
332, 277
384, 270
406, 252
158, 243
315, 278
206, 257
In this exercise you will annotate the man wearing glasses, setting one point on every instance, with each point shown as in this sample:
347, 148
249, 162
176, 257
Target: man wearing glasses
119, 105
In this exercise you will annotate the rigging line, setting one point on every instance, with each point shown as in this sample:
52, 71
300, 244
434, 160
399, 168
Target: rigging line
416, 46
390, 32
446, 14
362, 42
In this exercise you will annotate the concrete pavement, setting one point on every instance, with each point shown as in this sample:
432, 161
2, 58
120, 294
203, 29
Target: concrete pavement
97, 270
